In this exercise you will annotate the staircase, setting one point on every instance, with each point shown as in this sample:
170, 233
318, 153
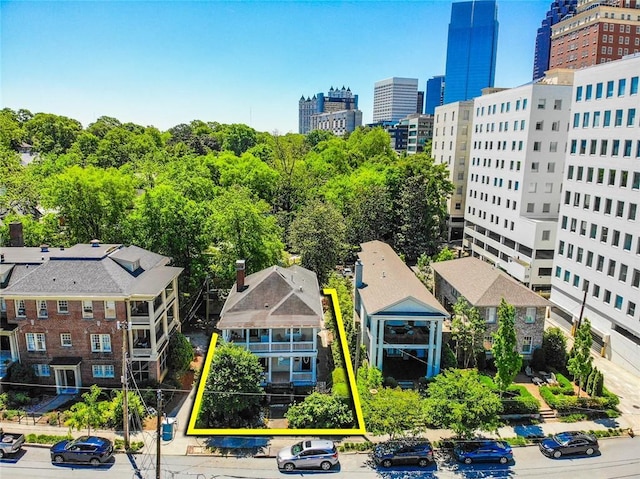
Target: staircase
548, 415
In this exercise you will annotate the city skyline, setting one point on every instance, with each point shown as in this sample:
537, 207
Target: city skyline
231, 62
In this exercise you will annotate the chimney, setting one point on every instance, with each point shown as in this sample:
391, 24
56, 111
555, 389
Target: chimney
16, 239
240, 272
358, 273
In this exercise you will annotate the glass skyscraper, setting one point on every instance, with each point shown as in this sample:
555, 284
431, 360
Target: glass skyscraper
434, 95
559, 10
471, 49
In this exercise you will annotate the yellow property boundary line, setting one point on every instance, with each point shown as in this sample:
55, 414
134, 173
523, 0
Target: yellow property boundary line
359, 430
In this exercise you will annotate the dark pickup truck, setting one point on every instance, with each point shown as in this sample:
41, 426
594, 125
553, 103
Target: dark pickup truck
10, 443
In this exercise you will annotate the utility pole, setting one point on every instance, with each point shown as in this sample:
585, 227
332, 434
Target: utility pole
125, 393
158, 433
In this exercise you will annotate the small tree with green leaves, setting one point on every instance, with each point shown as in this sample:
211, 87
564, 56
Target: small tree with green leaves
393, 411
580, 363
457, 400
232, 394
467, 330
181, 353
91, 413
554, 344
505, 347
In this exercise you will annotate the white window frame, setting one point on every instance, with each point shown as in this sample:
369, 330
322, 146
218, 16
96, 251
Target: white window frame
103, 371
492, 315
110, 309
87, 309
530, 315
43, 312
20, 306
42, 370
63, 306
65, 340
527, 345
100, 343
36, 341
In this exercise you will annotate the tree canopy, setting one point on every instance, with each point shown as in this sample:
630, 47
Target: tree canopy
505, 347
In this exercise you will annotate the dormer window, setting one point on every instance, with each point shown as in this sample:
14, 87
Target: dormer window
21, 311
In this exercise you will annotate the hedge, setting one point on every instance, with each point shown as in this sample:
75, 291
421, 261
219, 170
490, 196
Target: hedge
565, 387
523, 403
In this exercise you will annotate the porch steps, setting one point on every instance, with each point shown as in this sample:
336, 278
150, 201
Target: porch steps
548, 415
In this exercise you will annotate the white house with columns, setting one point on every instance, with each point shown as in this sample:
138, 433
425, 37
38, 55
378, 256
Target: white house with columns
401, 320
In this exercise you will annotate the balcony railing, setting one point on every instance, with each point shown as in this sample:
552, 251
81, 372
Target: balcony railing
275, 346
405, 335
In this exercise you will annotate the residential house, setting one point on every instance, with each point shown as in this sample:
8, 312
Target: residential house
401, 320
276, 314
484, 286
67, 312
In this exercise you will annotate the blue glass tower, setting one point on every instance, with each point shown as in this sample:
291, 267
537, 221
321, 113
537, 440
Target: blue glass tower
559, 10
434, 95
471, 49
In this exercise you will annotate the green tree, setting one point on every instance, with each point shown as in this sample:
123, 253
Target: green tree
115, 416
321, 411
580, 363
165, 221
393, 411
445, 254
181, 353
467, 330
92, 202
243, 228
554, 344
457, 400
49, 133
90, 413
505, 347
318, 234
232, 394
236, 137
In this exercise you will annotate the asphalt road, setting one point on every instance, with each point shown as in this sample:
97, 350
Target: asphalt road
619, 459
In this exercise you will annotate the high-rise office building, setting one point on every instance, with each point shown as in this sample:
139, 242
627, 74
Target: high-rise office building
598, 32
394, 98
420, 104
450, 146
419, 131
514, 181
471, 49
597, 252
435, 94
558, 11
335, 100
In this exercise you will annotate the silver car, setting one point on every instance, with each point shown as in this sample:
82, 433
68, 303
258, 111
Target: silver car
318, 454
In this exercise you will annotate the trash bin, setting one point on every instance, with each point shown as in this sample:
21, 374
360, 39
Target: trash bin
168, 428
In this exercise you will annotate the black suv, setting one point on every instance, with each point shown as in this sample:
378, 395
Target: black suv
404, 452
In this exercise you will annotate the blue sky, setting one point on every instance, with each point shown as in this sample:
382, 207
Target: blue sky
163, 63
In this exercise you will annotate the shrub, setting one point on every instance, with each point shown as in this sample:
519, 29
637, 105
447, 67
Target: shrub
611, 399
554, 345
516, 441
487, 381
598, 385
574, 417
134, 446
522, 403
338, 376
390, 382
45, 438
538, 361
340, 390
448, 358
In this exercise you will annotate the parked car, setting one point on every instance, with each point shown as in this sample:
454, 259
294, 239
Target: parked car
10, 443
313, 454
403, 452
570, 442
482, 450
90, 449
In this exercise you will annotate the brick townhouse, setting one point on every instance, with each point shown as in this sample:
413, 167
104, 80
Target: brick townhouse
62, 312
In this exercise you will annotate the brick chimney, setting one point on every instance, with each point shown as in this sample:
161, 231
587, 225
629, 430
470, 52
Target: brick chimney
16, 239
240, 274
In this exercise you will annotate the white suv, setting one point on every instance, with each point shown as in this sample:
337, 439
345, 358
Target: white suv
308, 455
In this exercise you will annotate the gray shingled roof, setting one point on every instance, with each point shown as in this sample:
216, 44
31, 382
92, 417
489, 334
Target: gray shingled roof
274, 298
69, 273
388, 280
484, 285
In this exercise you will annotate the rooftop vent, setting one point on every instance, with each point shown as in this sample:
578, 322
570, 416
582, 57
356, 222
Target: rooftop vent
95, 243
44, 248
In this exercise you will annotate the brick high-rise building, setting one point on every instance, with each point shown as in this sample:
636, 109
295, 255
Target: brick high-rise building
335, 100
599, 32
558, 11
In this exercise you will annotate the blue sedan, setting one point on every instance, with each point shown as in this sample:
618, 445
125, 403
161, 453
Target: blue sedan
483, 450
